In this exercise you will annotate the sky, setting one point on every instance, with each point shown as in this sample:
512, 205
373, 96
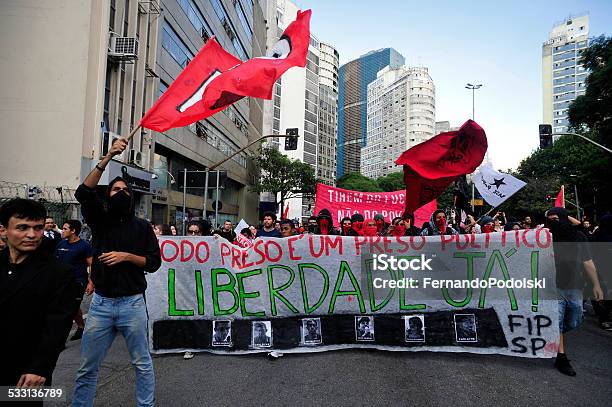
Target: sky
493, 43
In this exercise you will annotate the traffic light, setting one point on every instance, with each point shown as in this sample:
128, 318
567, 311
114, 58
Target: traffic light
545, 135
291, 141
548, 198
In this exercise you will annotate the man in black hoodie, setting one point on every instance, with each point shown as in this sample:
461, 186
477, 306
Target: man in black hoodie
572, 260
325, 224
124, 248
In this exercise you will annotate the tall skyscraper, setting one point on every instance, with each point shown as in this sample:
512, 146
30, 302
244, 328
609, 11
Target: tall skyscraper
306, 99
354, 78
400, 115
562, 76
328, 113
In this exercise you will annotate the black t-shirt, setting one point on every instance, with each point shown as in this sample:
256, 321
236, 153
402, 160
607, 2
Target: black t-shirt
569, 259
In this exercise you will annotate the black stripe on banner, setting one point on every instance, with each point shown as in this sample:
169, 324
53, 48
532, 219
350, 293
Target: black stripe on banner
389, 330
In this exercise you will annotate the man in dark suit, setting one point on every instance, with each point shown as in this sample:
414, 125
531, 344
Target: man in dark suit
51, 237
37, 299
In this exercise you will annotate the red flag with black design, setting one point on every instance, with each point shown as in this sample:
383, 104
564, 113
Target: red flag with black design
216, 79
430, 167
183, 102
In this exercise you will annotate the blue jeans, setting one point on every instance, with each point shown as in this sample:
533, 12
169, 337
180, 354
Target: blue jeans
106, 317
570, 309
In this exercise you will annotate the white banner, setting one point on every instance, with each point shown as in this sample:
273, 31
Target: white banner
462, 293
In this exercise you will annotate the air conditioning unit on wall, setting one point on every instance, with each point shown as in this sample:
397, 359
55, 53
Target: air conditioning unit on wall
123, 48
136, 158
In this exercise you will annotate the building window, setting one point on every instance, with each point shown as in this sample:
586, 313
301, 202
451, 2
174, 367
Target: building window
243, 19
229, 28
172, 43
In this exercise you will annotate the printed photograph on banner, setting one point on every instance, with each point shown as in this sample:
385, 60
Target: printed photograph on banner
311, 331
414, 327
261, 334
465, 328
364, 328
222, 333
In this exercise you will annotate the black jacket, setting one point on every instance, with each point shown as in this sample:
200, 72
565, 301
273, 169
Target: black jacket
48, 245
229, 236
109, 233
37, 301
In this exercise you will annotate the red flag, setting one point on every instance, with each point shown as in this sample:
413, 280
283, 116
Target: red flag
430, 167
183, 102
215, 79
256, 77
560, 201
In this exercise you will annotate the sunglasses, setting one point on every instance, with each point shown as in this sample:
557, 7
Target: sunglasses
193, 232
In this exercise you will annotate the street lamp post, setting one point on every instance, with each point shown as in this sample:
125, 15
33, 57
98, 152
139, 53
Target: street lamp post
584, 138
473, 89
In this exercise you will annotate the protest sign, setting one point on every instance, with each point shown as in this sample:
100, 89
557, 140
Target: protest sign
344, 203
310, 293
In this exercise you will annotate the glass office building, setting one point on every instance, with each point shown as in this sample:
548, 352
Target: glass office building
354, 77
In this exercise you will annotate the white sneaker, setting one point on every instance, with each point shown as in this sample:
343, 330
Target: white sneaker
188, 355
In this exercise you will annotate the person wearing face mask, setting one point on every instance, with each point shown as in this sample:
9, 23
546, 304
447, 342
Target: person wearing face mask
407, 221
312, 224
437, 225
381, 225
572, 261
325, 224
369, 228
487, 224
124, 248
346, 227
396, 228
357, 224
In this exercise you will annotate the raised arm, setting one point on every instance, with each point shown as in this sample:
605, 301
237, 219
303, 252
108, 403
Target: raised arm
94, 176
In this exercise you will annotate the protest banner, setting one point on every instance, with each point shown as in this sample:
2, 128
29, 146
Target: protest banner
344, 203
311, 293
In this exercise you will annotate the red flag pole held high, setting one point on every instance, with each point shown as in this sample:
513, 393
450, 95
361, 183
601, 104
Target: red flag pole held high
215, 79
430, 167
560, 201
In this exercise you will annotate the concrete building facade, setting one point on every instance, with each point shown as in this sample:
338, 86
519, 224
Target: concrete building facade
185, 25
306, 99
123, 55
563, 78
61, 104
354, 77
400, 115
328, 113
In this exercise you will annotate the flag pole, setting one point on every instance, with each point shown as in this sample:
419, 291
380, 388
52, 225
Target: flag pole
488, 212
129, 137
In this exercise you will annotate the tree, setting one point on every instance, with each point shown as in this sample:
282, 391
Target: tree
357, 182
283, 177
391, 182
593, 110
570, 161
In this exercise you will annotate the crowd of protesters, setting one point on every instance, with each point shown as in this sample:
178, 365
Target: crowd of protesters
85, 259
573, 262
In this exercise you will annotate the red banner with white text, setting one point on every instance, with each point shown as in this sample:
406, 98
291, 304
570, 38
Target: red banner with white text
343, 202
